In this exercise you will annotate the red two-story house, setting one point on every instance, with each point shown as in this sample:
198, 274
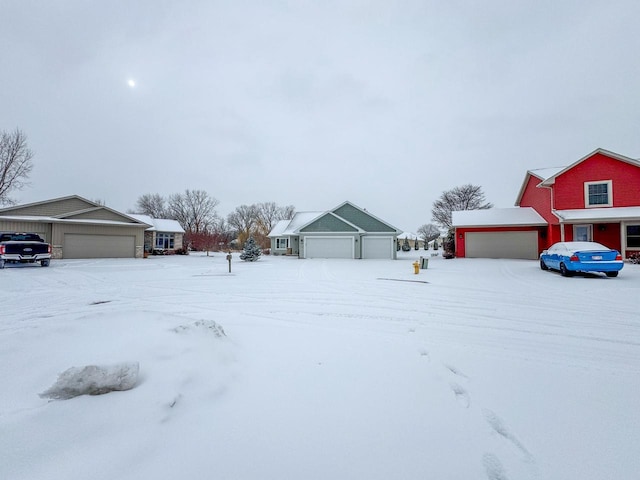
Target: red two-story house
596, 199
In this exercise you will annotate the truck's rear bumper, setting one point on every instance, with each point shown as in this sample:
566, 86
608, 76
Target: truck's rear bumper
16, 257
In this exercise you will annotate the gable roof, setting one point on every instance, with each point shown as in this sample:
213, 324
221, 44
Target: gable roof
498, 217
348, 215
288, 227
159, 224
89, 203
358, 219
541, 174
69, 209
551, 180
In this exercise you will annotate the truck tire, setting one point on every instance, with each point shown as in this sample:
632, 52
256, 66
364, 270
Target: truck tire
45, 263
1, 263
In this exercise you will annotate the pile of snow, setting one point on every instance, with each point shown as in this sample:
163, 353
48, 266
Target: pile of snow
93, 380
208, 326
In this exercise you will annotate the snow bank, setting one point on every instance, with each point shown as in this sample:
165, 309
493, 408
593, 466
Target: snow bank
93, 380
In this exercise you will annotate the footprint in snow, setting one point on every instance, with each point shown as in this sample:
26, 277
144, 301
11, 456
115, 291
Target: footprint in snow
461, 395
493, 467
455, 371
501, 429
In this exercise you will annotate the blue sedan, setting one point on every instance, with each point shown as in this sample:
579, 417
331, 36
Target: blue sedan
572, 257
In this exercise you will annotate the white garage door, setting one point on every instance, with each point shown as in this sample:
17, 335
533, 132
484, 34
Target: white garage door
98, 246
328, 247
377, 247
502, 245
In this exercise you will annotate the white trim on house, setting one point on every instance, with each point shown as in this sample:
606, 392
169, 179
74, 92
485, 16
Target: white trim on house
580, 228
159, 224
595, 215
322, 243
293, 231
552, 179
541, 174
376, 246
587, 195
512, 244
497, 217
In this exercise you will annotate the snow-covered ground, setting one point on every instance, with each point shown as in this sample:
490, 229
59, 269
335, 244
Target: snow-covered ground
329, 369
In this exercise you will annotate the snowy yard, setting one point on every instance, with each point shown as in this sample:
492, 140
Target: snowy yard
330, 369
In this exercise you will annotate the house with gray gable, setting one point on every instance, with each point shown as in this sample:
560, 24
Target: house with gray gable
346, 231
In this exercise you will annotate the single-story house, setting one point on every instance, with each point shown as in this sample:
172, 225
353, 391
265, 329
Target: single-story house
346, 231
163, 235
78, 228
412, 238
596, 198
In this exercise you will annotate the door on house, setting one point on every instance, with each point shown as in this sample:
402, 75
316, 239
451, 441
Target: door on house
582, 233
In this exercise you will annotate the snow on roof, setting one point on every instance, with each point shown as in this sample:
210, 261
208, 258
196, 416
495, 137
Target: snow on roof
544, 173
408, 236
278, 228
159, 224
550, 180
599, 214
86, 221
541, 174
288, 227
497, 217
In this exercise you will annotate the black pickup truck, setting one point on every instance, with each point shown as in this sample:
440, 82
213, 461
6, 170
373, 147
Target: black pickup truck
23, 248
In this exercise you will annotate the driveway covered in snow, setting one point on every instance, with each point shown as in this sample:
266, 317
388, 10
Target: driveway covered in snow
321, 369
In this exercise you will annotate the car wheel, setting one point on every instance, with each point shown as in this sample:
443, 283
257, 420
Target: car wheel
45, 263
563, 270
543, 265
611, 274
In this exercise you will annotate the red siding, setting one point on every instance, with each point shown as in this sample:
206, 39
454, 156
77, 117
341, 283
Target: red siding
608, 234
538, 198
460, 246
569, 187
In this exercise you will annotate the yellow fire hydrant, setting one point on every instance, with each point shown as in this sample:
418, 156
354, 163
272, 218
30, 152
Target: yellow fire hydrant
416, 267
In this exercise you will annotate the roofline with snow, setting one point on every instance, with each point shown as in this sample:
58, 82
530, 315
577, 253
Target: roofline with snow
551, 180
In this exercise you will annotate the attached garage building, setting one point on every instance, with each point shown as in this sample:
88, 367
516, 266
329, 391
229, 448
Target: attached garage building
499, 233
78, 228
85, 245
346, 231
505, 244
329, 247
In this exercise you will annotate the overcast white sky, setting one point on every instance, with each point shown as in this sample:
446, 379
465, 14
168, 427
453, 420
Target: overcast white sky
385, 104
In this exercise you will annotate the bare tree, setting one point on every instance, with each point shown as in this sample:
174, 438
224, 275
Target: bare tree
195, 210
15, 163
153, 205
428, 232
466, 197
269, 213
244, 220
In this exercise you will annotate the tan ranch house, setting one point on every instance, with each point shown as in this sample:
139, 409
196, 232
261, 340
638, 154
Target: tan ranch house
78, 228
